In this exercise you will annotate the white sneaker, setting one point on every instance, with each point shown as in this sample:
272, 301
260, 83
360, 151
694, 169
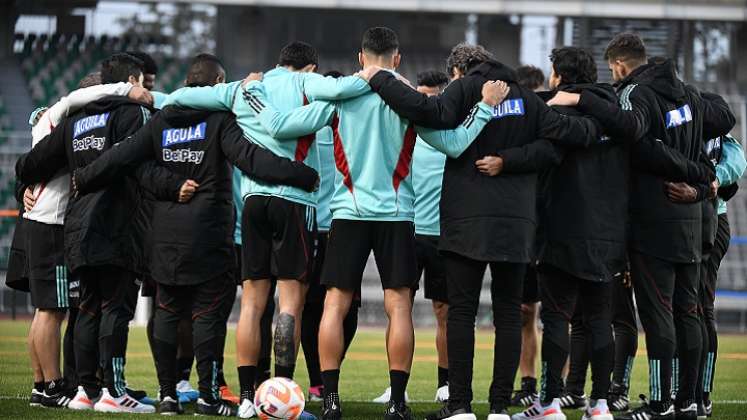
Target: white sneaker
247, 409
537, 412
387, 395
597, 411
123, 404
442, 394
81, 401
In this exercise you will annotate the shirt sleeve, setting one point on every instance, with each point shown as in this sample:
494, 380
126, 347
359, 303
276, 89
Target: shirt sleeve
444, 111
532, 157
628, 120
454, 142
566, 131
212, 98
325, 88
654, 157
718, 119
43, 161
732, 164
124, 157
262, 164
298, 122
73, 102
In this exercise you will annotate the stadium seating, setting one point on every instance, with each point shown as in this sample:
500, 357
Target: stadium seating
53, 65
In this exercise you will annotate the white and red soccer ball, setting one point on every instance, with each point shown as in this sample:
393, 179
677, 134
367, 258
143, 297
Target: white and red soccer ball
279, 398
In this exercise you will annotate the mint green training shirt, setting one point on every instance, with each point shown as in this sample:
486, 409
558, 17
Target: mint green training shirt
373, 149
287, 90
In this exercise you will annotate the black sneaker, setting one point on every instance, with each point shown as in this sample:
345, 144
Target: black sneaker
136, 393
170, 406
707, 408
57, 395
445, 412
36, 398
331, 409
398, 411
570, 400
646, 412
687, 410
617, 397
525, 396
218, 408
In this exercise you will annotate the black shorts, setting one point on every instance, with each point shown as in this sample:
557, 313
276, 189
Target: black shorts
531, 285
317, 292
52, 285
277, 238
350, 244
17, 276
431, 263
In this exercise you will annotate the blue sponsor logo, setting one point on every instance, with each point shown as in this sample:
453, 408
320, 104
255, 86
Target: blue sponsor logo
174, 136
509, 107
89, 123
679, 116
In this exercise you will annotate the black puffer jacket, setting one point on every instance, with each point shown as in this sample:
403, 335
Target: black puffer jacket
192, 243
665, 110
482, 217
105, 228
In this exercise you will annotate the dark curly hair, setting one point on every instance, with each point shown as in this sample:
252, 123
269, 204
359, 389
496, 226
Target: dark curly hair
574, 65
465, 56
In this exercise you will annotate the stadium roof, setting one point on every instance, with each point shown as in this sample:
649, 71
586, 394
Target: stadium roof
720, 10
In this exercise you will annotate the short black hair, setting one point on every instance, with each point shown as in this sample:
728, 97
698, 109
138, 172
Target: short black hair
433, 78
119, 67
380, 40
574, 65
149, 64
530, 77
203, 70
334, 73
91, 79
298, 55
626, 46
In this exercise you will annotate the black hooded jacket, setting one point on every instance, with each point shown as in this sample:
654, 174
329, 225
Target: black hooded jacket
192, 243
482, 217
105, 228
664, 110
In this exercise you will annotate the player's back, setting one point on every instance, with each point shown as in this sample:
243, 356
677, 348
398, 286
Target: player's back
373, 154
285, 90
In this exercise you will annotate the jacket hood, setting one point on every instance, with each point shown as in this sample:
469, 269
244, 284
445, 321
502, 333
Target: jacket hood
108, 103
177, 116
661, 76
494, 70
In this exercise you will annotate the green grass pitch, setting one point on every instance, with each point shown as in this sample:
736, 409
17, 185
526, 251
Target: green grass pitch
364, 375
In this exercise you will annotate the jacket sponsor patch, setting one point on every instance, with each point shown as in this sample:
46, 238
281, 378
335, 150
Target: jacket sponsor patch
183, 155
679, 116
509, 107
89, 123
88, 143
172, 136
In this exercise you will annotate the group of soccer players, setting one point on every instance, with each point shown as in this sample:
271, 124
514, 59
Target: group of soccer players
287, 181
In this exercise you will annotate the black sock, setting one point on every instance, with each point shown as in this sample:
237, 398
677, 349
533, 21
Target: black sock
331, 380
53, 387
39, 386
169, 391
284, 371
220, 377
706, 397
247, 376
263, 370
398, 380
443, 376
529, 383
183, 368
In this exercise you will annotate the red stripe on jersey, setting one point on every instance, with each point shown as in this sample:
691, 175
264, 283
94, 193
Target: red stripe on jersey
405, 157
341, 161
304, 143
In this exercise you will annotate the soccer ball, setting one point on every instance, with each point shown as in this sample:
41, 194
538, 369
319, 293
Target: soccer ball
279, 398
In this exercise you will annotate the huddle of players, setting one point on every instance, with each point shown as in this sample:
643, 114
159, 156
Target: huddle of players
495, 149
